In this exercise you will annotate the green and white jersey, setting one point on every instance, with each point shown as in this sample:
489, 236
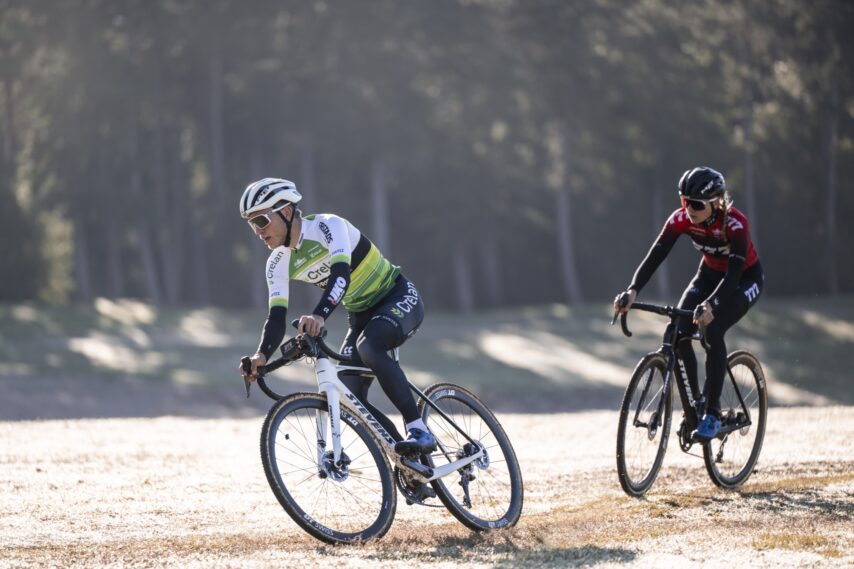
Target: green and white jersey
326, 239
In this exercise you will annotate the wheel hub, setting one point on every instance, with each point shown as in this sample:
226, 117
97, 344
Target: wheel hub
339, 472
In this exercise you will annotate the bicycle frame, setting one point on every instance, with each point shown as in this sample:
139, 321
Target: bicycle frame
329, 383
692, 403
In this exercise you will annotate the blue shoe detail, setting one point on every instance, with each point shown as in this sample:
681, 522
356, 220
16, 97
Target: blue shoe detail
418, 441
708, 427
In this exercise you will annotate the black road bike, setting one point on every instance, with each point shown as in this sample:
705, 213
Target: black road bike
647, 408
329, 460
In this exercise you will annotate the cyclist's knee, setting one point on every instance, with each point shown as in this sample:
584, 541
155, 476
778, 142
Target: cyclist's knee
376, 340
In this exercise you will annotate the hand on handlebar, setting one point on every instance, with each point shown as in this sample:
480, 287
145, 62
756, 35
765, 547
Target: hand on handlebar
255, 362
703, 314
624, 300
310, 324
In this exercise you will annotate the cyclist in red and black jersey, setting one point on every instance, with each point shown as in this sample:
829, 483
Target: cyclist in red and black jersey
729, 280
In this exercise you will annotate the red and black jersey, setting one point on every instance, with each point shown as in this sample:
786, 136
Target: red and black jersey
726, 249
710, 240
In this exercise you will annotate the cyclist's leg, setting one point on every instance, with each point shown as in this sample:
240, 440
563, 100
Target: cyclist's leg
748, 292
698, 289
357, 384
395, 319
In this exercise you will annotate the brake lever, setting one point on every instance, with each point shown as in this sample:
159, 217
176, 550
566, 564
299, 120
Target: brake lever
246, 364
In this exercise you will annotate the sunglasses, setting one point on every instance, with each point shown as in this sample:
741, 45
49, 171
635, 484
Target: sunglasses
696, 205
263, 220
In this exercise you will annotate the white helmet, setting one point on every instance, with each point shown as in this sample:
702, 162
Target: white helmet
267, 193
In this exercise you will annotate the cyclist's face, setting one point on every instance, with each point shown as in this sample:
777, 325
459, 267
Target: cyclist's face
698, 216
272, 234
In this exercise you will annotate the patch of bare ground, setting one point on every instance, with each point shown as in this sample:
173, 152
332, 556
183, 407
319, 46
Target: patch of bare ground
190, 492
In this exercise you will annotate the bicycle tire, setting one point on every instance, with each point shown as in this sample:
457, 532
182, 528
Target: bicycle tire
356, 512
495, 481
635, 476
732, 459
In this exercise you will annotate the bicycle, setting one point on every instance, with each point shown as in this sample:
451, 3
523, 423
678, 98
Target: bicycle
328, 459
646, 412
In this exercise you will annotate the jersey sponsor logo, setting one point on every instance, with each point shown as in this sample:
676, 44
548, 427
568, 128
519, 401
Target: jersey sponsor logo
752, 292
337, 290
714, 251
409, 301
397, 312
300, 262
320, 272
274, 263
679, 217
327, 235
387, 318
734, 224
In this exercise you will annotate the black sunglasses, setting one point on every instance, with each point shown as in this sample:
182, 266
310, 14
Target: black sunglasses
696, 205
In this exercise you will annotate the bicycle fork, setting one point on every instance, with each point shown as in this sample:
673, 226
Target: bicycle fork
325, 371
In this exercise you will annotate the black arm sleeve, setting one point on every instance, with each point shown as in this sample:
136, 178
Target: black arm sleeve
656, 255
274, 330
336, 286
734, 268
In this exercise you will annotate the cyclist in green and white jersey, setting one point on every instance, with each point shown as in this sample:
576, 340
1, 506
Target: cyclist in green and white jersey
384, 307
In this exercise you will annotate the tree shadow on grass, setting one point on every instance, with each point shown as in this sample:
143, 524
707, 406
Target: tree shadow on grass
505, 552
804, 500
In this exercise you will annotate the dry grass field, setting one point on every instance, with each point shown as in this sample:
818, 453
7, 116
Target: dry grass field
191, 492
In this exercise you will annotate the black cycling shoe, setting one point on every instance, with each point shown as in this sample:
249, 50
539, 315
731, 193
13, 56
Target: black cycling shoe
418, 442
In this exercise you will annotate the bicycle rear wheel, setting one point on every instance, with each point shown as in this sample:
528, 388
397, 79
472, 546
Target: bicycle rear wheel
487, 493
730, 459
644, 426
345, 503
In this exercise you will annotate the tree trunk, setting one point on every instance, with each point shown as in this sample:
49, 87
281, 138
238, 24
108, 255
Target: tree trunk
569, 272
166, 242
145, 243
749, 177
306, 185
9, 143
490, 256
830, 217
82, 267
217, 127
462, 281
379, 201
114, 234
257, 253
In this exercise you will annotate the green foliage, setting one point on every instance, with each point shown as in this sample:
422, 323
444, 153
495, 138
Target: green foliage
135, 125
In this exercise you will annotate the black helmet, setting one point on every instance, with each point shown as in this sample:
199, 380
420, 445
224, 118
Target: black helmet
702, 184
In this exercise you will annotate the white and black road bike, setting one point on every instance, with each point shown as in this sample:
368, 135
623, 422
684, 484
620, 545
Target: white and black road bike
646, 413
329, 460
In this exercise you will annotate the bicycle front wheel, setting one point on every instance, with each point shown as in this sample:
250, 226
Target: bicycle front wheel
487, 493
644, 426
731, 458
351, 501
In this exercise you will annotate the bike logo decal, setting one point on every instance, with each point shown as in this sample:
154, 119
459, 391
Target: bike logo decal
370, 418
752, 292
